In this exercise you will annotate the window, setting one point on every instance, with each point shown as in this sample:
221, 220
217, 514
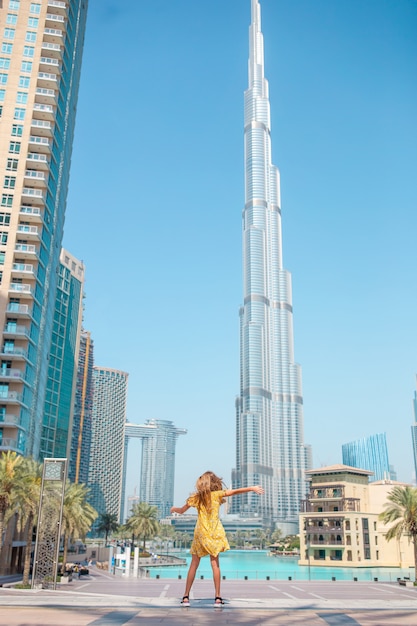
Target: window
6, 199
26, 66
4, 220
9, 33
35, 8
14, 147
2, 257
3, 78
6, 48
4, 63
19, 114
9, 182
3, 237
11, 19
30, 36
17, 130
24, 81
33, 22
14, 4
28, 51
2, 96
22, 97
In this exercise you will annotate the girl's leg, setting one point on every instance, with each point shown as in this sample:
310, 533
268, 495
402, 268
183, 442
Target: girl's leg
195, 562
215, 566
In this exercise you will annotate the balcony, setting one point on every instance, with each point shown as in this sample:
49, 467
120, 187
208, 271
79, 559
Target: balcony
345, 505
47, 80
45, 96
7, 443
9, 420
23, 270
47, 64
22, 289
33, 195
55, 35
43, 112
58, 6
43, 128
31, 214
37, 161
11, 374
18, 310
29, 232
35, 178
53, 50
14, 353
26, 251
53, 20
41, 144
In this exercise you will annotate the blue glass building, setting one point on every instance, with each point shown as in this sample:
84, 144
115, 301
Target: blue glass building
369, 453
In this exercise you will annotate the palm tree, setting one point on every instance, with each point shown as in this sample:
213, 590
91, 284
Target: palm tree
26, 497
107, 524
143, 521
401, 512
9, 465
78, 515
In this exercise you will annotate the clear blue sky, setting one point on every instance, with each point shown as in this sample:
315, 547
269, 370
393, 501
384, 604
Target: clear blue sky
156, 193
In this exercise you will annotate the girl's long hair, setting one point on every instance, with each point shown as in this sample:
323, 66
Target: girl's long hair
205, 484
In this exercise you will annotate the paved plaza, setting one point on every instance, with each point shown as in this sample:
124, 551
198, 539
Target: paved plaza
103, 600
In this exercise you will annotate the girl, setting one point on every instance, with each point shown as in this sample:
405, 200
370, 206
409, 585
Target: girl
209, 535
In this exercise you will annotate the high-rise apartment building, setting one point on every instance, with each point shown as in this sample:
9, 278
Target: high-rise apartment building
79, 458
414, 433
369, 453
105, 476
63, 359
40, 62
159, 439
270, 446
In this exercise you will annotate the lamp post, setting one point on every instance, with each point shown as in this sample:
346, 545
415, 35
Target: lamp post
308, 556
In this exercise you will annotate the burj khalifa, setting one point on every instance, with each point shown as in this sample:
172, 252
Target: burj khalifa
270, 448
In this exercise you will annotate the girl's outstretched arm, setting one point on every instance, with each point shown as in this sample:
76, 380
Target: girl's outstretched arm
256, 488
180, 510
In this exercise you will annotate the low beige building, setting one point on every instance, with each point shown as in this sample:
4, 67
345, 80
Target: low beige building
339, 523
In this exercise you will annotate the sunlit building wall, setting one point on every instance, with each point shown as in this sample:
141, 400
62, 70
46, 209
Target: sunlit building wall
40, 63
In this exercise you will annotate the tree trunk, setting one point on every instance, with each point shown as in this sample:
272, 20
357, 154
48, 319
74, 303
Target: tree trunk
64, 556
28, 549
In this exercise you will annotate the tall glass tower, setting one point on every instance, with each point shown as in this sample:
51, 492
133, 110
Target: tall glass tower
370, 453
40, 63
269, 411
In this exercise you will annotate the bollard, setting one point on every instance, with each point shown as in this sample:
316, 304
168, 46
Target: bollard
246, 578
157, 576
333, 577
355, 579
375, 580
179, 576
267, 578
224, 577
201, 577
289, 577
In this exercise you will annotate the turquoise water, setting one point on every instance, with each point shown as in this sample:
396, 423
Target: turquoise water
257, 565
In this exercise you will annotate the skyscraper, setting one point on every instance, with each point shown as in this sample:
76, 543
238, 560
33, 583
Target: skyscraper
159, 438
63, 359
79, 458
414, 433
105, 474
369, 453
40, 62
270, 446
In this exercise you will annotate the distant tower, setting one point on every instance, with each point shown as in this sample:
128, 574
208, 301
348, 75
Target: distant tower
63, 359
414, 433
159, 439
79, 459
270, 446
369, 453
107, 440
41, 51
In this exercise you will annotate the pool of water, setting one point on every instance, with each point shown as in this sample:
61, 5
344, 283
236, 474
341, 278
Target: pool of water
257, 565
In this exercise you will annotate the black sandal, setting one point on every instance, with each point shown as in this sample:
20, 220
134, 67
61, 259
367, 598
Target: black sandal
218, 603
185, 601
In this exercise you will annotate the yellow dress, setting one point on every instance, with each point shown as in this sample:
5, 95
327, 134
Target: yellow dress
209, 534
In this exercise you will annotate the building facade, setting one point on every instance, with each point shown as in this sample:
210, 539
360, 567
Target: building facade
157, 475
414, 434
270, 446
105, 476
40, 63
63, 360
79, 458
370, 453
339, 525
